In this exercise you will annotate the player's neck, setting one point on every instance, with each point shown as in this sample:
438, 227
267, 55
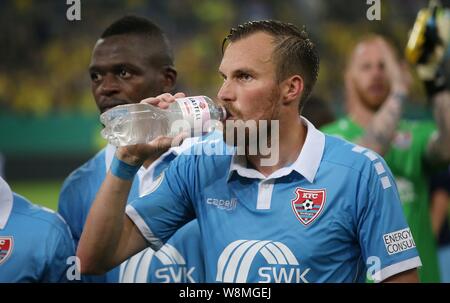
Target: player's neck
360, 114
291, 139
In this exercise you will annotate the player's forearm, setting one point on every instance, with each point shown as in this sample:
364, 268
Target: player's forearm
102, 232
381, 130
439, 146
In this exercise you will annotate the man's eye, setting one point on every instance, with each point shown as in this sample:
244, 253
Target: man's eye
124, 74
95, 77
245, 77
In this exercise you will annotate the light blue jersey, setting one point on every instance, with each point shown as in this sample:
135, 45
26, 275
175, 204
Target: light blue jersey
35, 243
331, 216
76, 198
180, 260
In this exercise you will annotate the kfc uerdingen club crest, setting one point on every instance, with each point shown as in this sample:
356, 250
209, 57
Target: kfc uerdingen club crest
308, 204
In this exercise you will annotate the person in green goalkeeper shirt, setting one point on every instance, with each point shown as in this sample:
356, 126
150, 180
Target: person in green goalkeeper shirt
377, 86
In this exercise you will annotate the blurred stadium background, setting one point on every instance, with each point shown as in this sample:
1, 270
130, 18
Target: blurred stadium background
48, 119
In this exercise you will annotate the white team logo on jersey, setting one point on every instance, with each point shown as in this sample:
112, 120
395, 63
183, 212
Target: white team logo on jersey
236, 260
136, 269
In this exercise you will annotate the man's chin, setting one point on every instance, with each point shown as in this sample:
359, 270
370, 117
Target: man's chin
374, 102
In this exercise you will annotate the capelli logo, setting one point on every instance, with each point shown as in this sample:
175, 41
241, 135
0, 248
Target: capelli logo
223, 203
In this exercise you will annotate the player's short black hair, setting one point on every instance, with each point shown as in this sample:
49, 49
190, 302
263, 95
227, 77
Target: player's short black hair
131, 24
136, 25
294, 52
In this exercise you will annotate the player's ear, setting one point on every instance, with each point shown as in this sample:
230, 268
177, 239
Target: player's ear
292, 88
170, 78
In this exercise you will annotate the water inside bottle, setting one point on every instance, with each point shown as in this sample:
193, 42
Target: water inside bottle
132, 124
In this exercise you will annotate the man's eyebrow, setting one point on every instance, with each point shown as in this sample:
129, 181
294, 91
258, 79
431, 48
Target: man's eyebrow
244, 71
93, 68
240, 71
115, 66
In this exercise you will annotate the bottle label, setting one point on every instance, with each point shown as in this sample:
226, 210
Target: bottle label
195, 110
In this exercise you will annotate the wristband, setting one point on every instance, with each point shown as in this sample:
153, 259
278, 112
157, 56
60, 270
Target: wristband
123, 170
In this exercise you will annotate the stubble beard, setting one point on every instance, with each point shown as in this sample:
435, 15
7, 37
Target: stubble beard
262, 131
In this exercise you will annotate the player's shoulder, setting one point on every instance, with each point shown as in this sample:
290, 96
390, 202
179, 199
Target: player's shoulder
38, 219
91, 169
347, 155
206, 148
196, 144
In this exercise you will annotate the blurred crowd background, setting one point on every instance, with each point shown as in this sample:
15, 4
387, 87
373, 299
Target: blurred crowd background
48, 119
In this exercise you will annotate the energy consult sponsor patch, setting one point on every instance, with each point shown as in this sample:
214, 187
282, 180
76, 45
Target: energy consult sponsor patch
398, 241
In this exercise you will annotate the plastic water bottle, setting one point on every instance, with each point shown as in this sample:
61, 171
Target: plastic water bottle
130, 124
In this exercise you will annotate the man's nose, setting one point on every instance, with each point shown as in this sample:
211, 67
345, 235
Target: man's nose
110, 85
378, 75
226, 92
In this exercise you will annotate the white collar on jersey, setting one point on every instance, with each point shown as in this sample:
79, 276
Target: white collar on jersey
6, 203
307, 163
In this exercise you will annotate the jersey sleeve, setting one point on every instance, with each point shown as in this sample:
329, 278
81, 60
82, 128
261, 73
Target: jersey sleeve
386, 241
61, 254
168, 206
